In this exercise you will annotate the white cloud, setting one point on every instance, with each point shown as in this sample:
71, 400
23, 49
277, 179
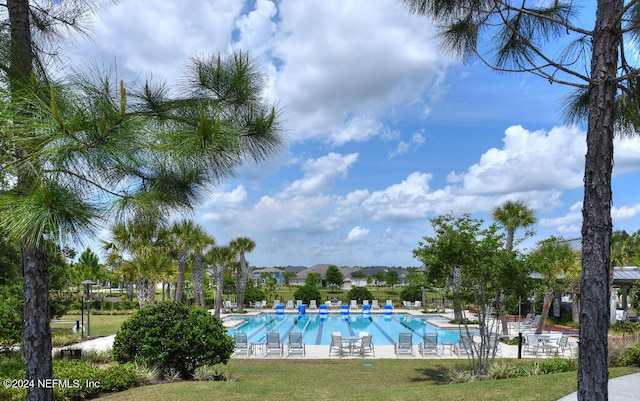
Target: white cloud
417, 140
356, 234
529, 161
321, 173
335, 77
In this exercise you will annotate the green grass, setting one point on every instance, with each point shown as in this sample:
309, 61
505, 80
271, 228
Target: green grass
101, 325
386, 379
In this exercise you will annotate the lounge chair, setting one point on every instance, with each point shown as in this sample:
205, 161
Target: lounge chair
389, 302
242, 344
366, 346
417, 304
273, 345
365, 302
295, 346
276, 303
405, 344
533, 325
298, 304
313, 304
354, 304
290, 304
464, 346
375, 304
336, 343
429, 345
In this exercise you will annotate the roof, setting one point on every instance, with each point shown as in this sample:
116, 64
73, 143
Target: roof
626, 274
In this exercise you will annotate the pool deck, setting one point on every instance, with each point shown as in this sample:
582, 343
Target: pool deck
322, 351
381, 351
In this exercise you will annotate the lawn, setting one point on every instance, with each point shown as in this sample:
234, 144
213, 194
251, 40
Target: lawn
101, 325
382, 379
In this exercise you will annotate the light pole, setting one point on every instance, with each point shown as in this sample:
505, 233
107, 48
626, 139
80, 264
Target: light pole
87, 290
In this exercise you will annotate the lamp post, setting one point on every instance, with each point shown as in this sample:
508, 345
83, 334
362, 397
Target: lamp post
87, 290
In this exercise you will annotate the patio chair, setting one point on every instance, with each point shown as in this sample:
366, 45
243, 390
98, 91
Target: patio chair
290, 304
564, 345
494, 344
366, 346
298, 304
404, 344
417, 304
276, 303
389, 302
464, 346
531, 344
354, 304
295, 346
375, 304
365, 302
242, 345
313, 304
533, 324
429, 345
273, 345
336, 343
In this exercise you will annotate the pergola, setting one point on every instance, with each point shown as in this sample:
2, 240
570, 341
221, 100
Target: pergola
624, 278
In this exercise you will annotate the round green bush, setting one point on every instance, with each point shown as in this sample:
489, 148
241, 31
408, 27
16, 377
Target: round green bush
173, 336
359, 294
307, 293
411, 293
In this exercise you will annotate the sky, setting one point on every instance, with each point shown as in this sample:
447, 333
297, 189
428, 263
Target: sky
384, 129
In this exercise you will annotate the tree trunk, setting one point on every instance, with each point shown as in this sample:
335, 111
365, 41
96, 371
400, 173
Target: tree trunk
142, 289
546, 305
219, 273
575, 305
198, 280
242, 283
36, 332
596, 210
182, 266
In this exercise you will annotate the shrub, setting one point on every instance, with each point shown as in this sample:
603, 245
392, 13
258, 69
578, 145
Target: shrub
359, 294
306, 293
502, 369
557, 365
631, 356
119, 377
72, 370
173, 336
411, 293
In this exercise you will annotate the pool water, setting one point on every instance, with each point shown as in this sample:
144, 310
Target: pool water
316, 329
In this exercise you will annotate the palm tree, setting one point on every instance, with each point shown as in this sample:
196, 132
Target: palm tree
200, 241
145, 242
181, 234
220, 257
242, 245
511, 215
553, 258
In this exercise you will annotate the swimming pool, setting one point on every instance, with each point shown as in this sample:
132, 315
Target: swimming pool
316, 329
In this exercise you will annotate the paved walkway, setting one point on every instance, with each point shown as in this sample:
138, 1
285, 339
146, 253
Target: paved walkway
624, 388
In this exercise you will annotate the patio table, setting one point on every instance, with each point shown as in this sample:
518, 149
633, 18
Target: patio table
351, 341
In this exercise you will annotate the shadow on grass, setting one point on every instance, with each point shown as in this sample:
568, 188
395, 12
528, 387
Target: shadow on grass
432, 375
